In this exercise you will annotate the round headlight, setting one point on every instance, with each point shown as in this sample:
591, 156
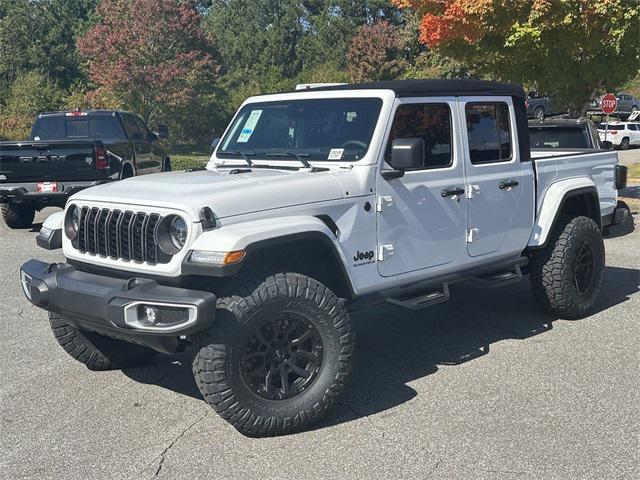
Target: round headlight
72, 222
178, 231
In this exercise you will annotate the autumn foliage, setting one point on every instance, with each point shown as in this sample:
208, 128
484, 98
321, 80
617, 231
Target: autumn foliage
570, 49
375, 52
150, 55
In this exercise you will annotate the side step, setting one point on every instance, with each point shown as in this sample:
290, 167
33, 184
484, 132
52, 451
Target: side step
424, 300
500, 279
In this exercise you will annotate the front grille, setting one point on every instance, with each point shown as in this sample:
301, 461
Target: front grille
120, 235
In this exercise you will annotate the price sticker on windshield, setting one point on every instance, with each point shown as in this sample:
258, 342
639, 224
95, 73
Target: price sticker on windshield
249, 126
336, 154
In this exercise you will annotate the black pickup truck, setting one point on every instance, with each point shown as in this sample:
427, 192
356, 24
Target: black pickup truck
69, 151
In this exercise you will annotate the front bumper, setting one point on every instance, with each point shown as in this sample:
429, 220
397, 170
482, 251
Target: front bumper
110, 306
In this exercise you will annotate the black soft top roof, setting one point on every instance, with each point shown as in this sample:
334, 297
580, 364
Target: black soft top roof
422, 88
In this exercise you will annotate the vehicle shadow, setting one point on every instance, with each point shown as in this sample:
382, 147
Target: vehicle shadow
395, 346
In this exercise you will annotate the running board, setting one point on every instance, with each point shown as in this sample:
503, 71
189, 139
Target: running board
501, 278
424, 300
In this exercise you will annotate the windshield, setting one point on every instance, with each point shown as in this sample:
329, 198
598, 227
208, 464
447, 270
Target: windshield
559, 138
318, 129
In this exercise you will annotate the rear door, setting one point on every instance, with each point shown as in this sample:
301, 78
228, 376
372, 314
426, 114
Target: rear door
417, 226
143, 158
155, 151
499, 186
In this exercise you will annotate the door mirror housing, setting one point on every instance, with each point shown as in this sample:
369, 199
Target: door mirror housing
214, 143
163, 131
407, 153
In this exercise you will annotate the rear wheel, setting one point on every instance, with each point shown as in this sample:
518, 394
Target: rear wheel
18, 215
278, 355
566, 275
538, 113
96, 351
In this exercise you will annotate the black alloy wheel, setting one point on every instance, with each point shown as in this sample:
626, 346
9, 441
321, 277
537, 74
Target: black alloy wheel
283, 357
583, 268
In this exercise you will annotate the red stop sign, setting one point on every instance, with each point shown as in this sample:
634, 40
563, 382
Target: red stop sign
609, 103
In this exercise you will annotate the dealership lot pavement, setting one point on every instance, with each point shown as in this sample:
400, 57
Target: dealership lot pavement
481, 387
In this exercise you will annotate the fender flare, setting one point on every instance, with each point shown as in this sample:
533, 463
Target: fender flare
553, 202
259, 235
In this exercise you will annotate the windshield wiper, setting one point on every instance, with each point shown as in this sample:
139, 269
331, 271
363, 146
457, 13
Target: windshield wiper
238, 153
301, 157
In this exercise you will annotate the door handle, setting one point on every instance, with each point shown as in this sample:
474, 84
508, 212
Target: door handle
452, 192
508, 184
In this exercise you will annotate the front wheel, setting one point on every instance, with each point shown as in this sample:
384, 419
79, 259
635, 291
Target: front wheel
95, 351
624, 144
566, 275
278, 355
18, 215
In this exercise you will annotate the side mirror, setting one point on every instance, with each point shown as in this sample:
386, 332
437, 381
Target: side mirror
163, 131
407, 153
215, 143
607, 145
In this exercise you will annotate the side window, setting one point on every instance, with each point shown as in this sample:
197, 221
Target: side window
142, 127
132, 128
489, 131
432, 123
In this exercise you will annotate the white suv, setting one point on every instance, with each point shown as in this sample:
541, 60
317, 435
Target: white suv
317, 203
620, 134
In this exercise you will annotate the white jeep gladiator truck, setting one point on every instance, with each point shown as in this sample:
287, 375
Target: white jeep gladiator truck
316, 203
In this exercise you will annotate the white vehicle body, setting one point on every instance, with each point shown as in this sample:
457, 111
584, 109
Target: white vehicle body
316, 203
414, 232
617, 132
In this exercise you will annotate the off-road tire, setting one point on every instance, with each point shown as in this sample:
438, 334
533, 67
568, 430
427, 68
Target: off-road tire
96, 351
552, 269
17, 215
218, 353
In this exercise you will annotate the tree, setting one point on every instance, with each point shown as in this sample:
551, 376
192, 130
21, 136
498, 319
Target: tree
376, 53
569, 49
40, 35
30, 94
152, 57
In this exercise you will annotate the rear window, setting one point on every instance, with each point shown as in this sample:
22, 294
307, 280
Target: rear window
489, 132
559, 138
603, 126
98, 127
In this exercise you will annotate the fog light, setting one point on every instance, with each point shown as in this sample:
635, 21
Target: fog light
25, 280
147, 315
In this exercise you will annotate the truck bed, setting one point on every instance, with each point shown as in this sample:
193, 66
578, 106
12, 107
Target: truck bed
554, 165
48, 161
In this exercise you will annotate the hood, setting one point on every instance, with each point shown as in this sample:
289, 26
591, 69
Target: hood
226, 194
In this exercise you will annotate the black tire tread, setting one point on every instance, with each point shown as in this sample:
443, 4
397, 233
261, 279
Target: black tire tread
95, 351
17, 215
210, 359
550, 270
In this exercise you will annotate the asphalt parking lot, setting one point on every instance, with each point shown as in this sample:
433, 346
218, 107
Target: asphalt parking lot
481, 387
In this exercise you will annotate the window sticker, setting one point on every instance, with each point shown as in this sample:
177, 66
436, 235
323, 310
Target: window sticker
335, 154
249, 126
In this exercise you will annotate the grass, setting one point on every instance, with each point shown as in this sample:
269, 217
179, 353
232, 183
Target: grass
634, 173
189, 156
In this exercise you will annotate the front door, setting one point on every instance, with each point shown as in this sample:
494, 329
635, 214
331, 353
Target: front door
500, 196
418, 227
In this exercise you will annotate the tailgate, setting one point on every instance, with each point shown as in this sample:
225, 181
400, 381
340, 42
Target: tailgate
28, 162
